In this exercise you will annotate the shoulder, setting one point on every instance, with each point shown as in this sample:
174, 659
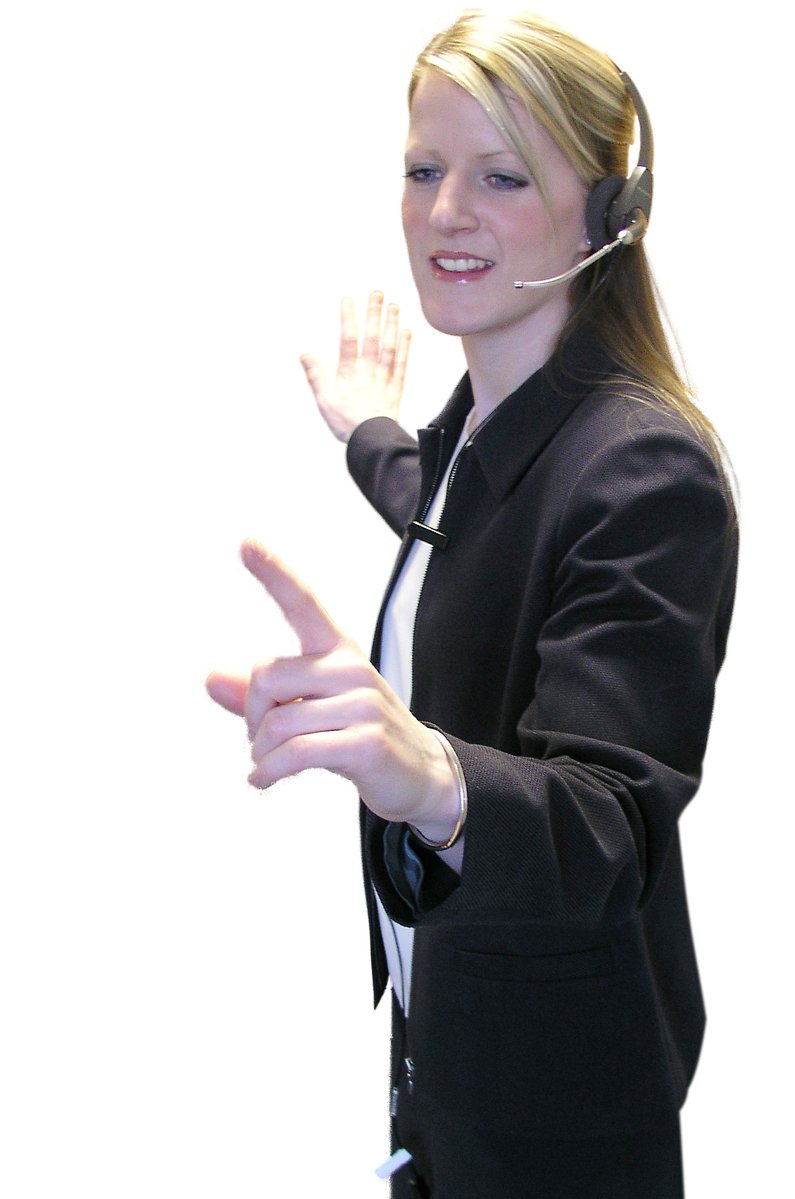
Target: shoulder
618, 414
623, 434
642, 484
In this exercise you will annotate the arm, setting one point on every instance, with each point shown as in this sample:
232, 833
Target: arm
384, 462
573, 808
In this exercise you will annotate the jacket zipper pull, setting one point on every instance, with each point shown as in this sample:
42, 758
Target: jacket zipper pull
422, 532
392, 1164
409, 1064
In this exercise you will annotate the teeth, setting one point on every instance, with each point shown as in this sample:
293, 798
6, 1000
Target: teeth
463, 264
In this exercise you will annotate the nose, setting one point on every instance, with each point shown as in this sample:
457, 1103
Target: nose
454, 208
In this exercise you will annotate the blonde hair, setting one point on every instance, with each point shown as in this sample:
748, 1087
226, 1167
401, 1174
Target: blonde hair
576, 93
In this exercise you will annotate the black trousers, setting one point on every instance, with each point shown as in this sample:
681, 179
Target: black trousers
452, 1160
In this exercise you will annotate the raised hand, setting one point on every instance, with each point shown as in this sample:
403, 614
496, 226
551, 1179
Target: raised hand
329, 707
369, 380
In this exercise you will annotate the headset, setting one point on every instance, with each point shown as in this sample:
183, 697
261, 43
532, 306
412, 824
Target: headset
618, 208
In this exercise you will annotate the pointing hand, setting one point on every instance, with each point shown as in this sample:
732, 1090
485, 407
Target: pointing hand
329, 707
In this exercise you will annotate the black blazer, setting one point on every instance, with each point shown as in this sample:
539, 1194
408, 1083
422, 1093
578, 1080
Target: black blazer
567, 641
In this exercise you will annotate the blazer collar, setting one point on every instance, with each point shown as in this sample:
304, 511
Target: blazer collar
510, 440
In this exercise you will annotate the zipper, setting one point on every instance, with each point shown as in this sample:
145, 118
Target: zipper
436, 473
451, 477
408, 1062
400, 562
420, 521
377, 639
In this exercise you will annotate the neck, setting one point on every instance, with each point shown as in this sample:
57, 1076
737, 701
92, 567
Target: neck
500, 362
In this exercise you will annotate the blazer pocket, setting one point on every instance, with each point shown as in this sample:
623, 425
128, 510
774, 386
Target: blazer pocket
537, 1044
587, 963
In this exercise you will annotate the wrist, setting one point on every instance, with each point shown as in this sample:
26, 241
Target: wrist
447, 808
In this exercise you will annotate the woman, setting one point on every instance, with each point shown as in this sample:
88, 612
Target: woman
547, 648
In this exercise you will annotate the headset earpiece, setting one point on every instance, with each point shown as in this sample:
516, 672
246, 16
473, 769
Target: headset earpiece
615, 201
597, 207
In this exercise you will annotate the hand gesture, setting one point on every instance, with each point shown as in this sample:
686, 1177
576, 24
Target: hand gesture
329, 707
369, 381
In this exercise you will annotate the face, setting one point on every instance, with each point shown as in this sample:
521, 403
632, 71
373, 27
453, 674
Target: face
475, 221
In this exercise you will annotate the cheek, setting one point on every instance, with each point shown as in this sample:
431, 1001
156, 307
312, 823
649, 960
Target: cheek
571, 219
561, 232
526, 235
405, 215
528, 221
414, 221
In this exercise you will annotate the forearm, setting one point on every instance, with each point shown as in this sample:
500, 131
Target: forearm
384, 463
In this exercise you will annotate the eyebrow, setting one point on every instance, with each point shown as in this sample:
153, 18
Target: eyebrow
481, 157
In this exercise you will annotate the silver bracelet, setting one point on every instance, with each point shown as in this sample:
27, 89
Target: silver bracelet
452, 758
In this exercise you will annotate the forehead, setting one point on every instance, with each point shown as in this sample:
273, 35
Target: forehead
439, 102
442, 110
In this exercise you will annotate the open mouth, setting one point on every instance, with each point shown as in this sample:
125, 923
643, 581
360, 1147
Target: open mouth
461, 265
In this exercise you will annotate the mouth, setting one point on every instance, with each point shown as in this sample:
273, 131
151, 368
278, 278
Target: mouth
462, 266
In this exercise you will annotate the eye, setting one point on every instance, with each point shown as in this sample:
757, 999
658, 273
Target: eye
505, 183
423, 174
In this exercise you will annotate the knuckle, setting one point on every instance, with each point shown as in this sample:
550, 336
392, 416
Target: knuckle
369, 710
299, 752
297, 756
262, 674
370, 747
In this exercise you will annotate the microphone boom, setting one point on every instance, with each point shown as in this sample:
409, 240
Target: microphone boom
633, 232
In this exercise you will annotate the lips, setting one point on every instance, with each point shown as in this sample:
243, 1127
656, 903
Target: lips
459, 266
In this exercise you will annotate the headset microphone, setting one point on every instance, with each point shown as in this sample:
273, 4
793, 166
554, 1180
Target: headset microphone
633, 232
617, 210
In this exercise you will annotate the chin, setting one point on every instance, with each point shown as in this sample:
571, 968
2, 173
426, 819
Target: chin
453, 328
469, 324
444, 318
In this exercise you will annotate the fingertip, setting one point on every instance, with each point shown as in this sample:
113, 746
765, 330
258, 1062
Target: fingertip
252, 552
214, 683
227, 691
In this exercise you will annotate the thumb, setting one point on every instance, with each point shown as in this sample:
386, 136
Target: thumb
315, 377
228, 690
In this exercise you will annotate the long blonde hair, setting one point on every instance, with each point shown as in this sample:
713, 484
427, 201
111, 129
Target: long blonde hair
577, 94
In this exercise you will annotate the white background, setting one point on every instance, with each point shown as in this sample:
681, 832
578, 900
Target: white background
187, 189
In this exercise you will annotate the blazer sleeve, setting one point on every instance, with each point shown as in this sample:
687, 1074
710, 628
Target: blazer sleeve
384, 462
580, 825
577, 826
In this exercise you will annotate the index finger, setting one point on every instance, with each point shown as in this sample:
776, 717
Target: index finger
315, 629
